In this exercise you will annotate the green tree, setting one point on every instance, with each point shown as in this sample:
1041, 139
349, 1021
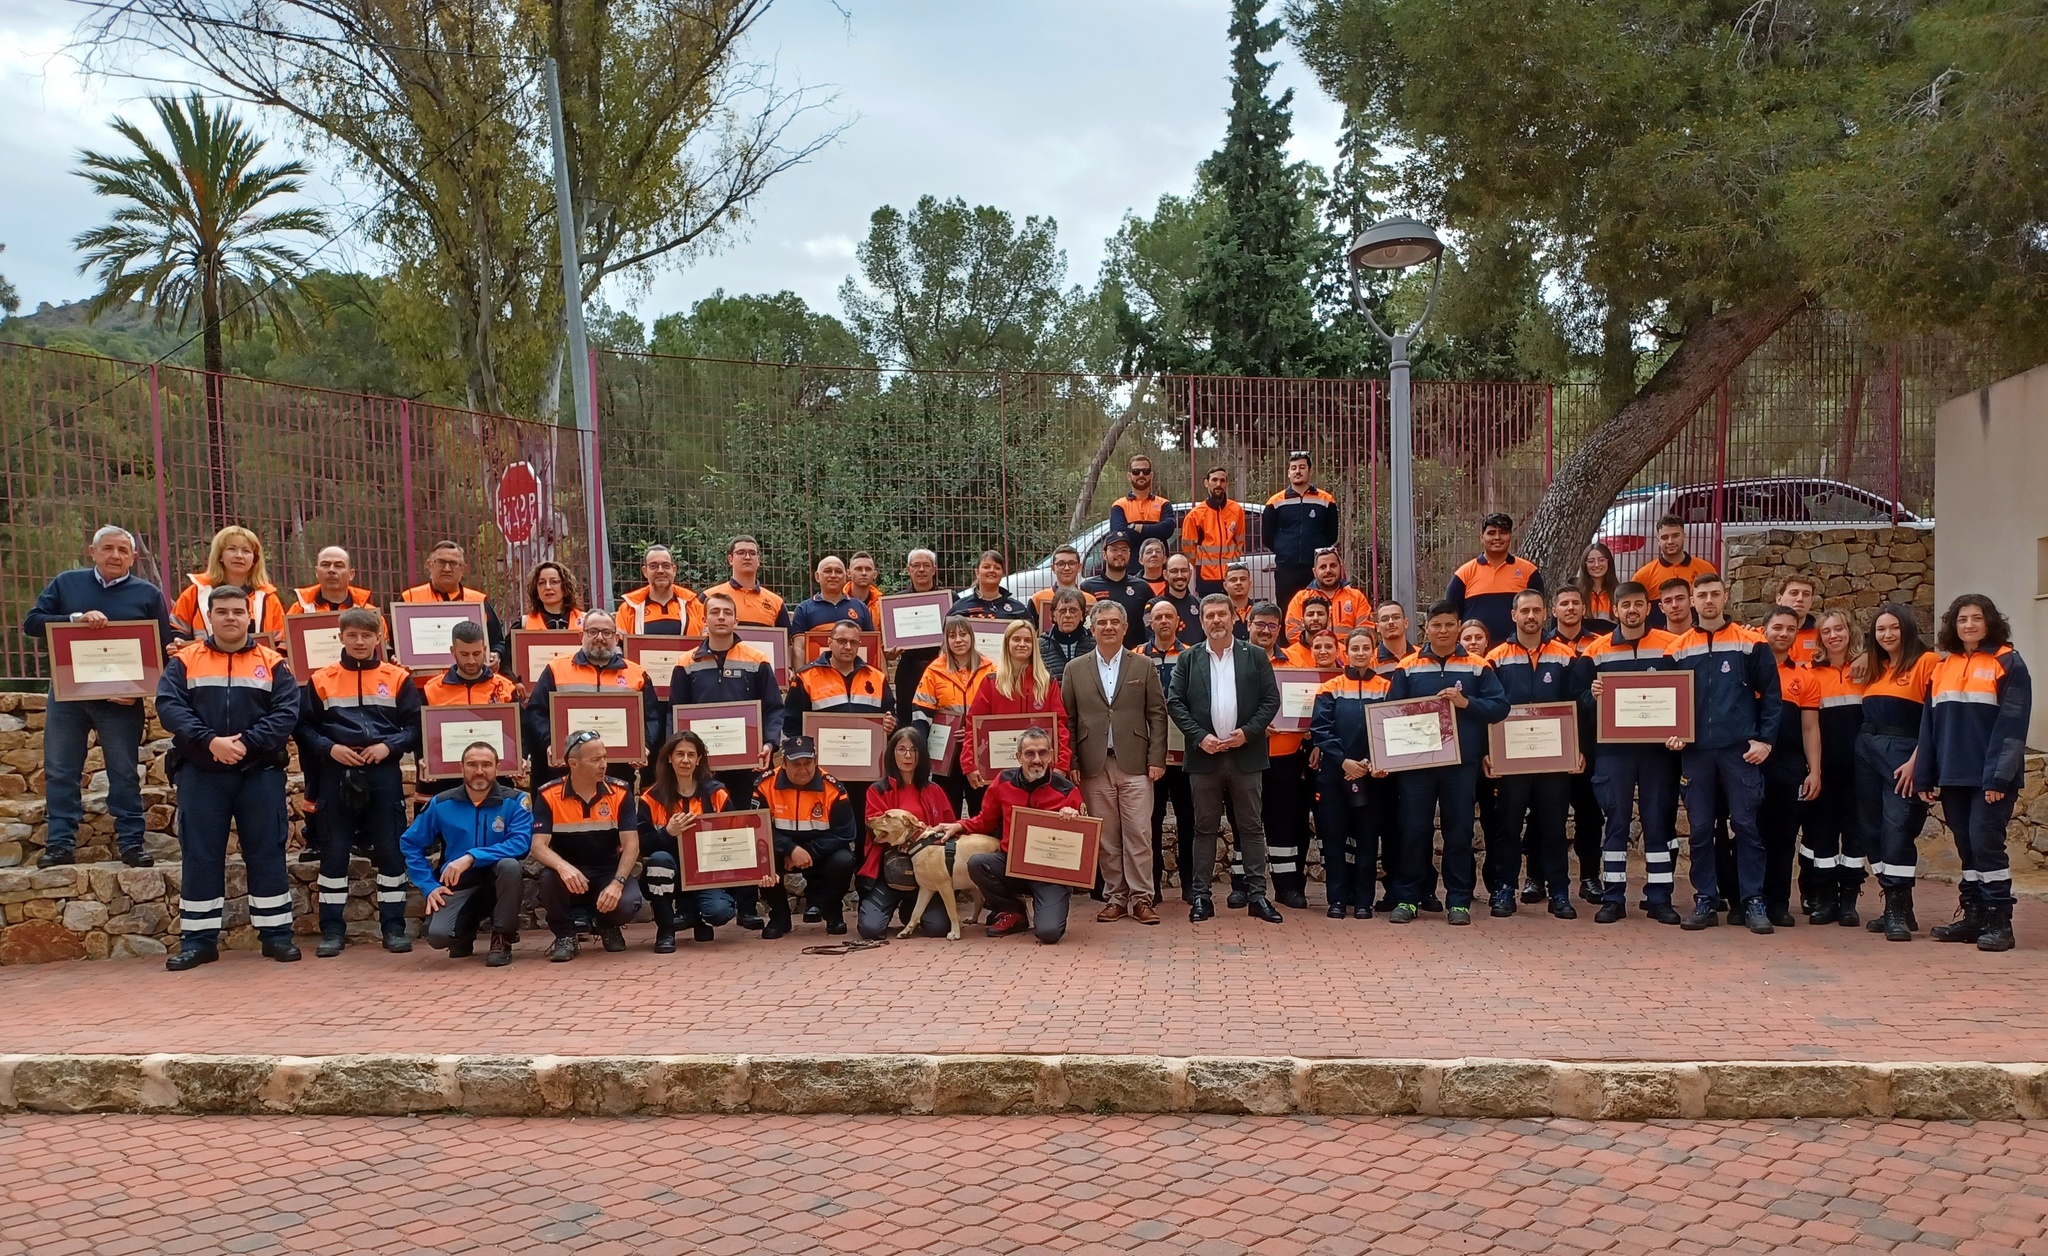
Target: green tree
10, 300
198, 237
748, 328
1695, 175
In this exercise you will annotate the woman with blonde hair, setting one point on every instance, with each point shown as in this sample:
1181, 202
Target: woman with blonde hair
1833, 854
1019, 685
940, 708
235, 557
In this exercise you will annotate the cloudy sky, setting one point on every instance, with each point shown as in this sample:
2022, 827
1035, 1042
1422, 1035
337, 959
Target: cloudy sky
1081, 109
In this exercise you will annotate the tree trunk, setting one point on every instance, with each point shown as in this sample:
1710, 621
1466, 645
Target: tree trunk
1086, 500
219, 494
1588, 481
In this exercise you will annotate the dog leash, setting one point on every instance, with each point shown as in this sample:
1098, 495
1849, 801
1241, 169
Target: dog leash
845, 948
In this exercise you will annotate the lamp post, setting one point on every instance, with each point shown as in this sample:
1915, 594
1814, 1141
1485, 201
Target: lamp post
1396, 244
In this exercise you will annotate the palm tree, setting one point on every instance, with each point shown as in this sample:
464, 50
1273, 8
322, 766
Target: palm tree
195, 239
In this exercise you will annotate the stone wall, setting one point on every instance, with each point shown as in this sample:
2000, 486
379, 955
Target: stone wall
1857, 568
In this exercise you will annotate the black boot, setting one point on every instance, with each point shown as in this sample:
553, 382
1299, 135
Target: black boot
1845, 904
1876, 923
1968, 925
1827, 907
664, 906
1897, 906
1997, 934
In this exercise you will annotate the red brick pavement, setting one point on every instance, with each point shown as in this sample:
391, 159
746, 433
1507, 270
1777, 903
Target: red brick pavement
1209, 1185
1528, 986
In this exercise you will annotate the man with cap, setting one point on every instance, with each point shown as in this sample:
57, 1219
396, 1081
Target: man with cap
1121, 585
812, 816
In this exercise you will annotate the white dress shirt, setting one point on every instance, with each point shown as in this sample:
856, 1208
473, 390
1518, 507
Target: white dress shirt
1222, 689
1109, 672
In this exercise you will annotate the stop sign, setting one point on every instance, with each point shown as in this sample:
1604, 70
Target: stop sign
519, 503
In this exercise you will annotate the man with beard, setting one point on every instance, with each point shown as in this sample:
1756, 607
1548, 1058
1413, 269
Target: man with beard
1213, 533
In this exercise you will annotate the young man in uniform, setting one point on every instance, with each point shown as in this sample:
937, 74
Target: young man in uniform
586, 837
1534, 667
1066, 574
1301, 521
1140, 512
1792, 773
661, 607
1672, 562
1485, 587
1214, 532
1121, 585
1632, 777
1348, 606
469, 681
1568, 613
758, 607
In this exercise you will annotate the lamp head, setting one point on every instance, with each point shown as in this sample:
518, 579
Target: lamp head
1395, 244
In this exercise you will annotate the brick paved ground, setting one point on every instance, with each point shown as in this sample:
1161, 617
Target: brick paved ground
1526, 986
1212, 1185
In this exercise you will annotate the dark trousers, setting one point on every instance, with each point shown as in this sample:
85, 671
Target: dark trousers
1890, 824
1486, 793
1220, 787
207, 803
658, 873
376, 821
490, 890
1979, 828
568, 913
1718, 777
1290, 579
1284, 809
1589, 823
825, 883
1779, 819
65, 727
1832, 851
1173, 790
965, 798
1349, 819
1433, 798
1005, 893
1638, 781
1531, 811
879, 905
739, 783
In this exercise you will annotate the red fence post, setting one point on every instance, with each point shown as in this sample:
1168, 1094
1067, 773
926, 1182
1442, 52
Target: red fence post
165, 550
1549, 434
1720, 507
1897, 404
411, 545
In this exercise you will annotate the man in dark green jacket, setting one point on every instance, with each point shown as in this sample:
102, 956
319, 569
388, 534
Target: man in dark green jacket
1223, 696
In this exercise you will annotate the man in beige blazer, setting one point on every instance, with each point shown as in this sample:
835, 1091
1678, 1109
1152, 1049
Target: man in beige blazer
1116, 715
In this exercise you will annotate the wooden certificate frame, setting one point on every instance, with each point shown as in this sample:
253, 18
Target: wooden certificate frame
641, 645
988, 635
1389, 737
1536, 727
122, 658
436, 722
1047, 846
917, 604
775, 642
708, 856
566, 711
986, 726
720, 715
945, 729
1621, 710
1296, 678
312, 641
543, 644
418, 645
817, 726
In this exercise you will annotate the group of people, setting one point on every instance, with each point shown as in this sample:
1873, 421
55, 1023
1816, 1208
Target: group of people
1817, 748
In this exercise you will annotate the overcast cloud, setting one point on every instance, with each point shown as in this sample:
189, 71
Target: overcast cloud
1081, 109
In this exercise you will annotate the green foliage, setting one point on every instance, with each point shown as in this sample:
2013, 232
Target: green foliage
10, 300
779, 328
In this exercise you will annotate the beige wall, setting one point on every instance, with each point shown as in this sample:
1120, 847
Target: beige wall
1991, 502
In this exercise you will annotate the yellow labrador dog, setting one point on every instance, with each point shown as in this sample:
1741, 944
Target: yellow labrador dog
940, 867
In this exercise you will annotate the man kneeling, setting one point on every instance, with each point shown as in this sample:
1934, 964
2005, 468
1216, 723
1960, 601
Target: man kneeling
484, 829
1032, 783
586, 835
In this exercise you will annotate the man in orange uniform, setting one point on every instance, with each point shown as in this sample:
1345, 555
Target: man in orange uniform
446, 566
661, 607
1140, 512
1284, 804
468, 682
1672, 562
1213, 534
336, 588
599, 667
757, 606
1349, 606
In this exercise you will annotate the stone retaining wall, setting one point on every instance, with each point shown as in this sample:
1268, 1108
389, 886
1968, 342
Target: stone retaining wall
1857, 569
612, 1086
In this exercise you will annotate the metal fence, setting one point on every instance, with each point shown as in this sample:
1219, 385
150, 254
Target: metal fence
814, 460
85, 441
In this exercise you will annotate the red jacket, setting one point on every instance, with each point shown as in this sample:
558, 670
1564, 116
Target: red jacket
929, 804
1009, 792
989, 700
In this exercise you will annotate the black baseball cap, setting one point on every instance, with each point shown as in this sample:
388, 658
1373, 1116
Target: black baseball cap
799, 747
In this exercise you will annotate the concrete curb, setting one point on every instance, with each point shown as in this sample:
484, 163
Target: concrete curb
544, 1085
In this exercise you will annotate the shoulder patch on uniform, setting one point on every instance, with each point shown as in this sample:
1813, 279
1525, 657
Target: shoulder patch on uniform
526, 802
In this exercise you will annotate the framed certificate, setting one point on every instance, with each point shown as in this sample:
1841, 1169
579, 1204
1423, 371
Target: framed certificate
534, 648
1646, 706
773, 642
312, 641
818, 641
1047, 846
1417, 733
942, 742
122, 658
988, 636
660, 655
1540, 737
1176, 748
615, 717
727, 848
1298, 686
995, 739
419, 631
446, 731
850, 746
915, 621
731, 731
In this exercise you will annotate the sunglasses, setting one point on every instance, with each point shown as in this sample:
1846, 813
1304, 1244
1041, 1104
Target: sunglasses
581, 737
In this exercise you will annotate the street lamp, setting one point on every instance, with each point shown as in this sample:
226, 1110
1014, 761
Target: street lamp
1396, 244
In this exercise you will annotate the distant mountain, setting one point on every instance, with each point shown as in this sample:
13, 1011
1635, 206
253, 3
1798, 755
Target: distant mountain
128, 333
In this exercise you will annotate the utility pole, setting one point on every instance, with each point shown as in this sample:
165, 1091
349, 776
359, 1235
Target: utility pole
598, 538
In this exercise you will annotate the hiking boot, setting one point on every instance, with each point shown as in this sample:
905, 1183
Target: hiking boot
1968, 925
1503, 902
501, 951
1609, 913
462, 948
1758, 917
1703, 916
614, 938
563, 950
1893, 922
1997, 934
1561, 907
331, 945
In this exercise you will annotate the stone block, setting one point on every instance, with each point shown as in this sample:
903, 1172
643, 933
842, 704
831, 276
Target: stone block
218, 1083
84, 915
498, 1086
1121, 1083
1953, 1092
704, 1083
1262, 1086
840, 1083
376, 1086
39, 942
86, 1083
144, 884
1362, 1087
1622, 1092
136, 944
1744, 1091
65, 880
144, 918
1496, 1088
41, 909
599, 1085
994, 1085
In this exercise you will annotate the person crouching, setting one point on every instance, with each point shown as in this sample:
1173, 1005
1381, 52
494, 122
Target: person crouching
586, 835
1034, 784
484, 829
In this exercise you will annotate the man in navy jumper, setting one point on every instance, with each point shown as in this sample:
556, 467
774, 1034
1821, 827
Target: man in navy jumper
105, 592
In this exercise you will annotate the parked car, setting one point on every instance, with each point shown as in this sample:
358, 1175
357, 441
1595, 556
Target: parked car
1256, 556
1630, 525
